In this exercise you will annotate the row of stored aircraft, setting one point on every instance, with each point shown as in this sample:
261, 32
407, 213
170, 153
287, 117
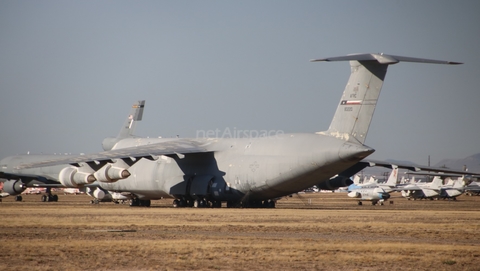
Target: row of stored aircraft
241, 172
436, 189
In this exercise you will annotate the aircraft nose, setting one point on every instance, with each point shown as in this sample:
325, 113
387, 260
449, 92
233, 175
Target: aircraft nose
354, 152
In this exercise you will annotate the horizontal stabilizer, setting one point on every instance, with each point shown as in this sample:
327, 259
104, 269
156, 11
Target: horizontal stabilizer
357, 105
384, 59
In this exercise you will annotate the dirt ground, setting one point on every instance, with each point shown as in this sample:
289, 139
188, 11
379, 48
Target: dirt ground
318, 231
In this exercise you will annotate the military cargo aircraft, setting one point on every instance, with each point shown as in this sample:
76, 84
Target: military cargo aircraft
434, 190
243, 172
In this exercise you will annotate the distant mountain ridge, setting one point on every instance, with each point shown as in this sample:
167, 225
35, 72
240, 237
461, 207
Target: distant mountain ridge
472, 163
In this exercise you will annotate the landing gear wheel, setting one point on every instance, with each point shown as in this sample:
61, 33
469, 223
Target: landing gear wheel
268, 204
133, 202
144, 203
18, 198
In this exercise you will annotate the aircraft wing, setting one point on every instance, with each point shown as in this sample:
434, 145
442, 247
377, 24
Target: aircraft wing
444, 175
150, 151
416, 168
44, 179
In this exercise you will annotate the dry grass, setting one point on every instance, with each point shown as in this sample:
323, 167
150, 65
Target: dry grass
310, 232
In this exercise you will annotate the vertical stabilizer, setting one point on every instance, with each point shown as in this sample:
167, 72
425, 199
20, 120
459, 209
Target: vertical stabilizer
128, 128
135, 115
436, 183
392, 179
357, 105
459, 183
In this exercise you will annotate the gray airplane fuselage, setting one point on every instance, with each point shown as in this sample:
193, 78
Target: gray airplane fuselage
263, 167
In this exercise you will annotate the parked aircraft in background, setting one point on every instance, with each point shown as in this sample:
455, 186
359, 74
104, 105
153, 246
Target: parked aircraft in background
18, 181
247, 172
3, 195
373, 191
373, 194
452, 189
473, 189
422, 190
434, 189
74, 191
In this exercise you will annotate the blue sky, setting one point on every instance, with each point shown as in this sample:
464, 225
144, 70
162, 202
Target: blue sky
70, 70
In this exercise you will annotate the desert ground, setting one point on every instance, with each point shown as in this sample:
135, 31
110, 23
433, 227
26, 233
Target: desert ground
312, 231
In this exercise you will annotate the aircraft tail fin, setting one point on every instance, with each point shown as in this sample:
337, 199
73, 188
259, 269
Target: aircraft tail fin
392, 179
355, 110
128, 128
412, 181
356, 179
436, 183
459, 183
136, 114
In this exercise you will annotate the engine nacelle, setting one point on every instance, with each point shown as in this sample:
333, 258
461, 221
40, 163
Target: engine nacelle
72, 177
98, 194
335, 183
14, 187
110, 173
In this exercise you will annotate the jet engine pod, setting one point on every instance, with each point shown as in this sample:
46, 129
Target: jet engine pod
14, 187
72, 177
110, 173
98, 194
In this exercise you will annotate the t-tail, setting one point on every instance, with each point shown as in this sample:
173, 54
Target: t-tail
391, 182
128, 128
357, 105
393, 178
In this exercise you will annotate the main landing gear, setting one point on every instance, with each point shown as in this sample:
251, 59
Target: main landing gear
49, 197
202, 203
136, 202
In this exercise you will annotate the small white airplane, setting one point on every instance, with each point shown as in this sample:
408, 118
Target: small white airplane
73, 191
374, 192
